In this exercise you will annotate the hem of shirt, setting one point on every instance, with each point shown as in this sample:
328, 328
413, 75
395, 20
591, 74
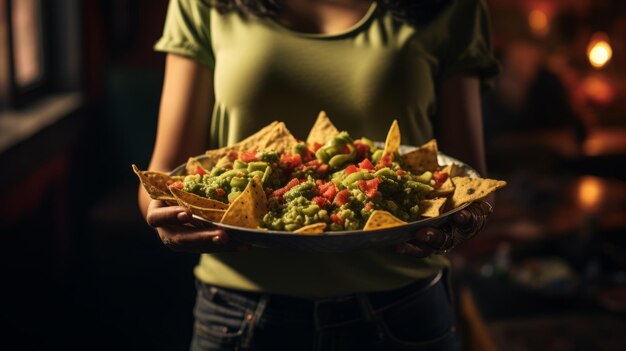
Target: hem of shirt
286, 291
185, 49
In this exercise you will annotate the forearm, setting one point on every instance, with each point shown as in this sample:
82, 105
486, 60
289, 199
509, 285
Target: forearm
143, 201
184, 117
458, 126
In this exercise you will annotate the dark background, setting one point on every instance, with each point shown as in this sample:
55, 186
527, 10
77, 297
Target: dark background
83, 271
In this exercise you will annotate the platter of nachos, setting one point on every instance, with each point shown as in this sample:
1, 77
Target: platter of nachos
330, 193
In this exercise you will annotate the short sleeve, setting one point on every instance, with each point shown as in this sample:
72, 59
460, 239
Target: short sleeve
468, 48
187, 31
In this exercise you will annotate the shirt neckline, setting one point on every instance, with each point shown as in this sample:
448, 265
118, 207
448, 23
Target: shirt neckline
354, 28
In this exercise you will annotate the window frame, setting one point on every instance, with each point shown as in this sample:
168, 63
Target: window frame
14, 95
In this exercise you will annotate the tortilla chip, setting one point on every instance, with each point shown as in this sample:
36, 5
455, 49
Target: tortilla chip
453, 170
445, 189
185, 198
315, 228
215, 154
382, 219
322, 130
249, 207
472, 189
433, 207
224, 162
423, 158
274, 136
253, 140
210, 214
194, 166
155, 183
392, 143
169, 200
280, 140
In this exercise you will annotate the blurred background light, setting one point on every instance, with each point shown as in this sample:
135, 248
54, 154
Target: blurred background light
590, 193
599, 50
538, 22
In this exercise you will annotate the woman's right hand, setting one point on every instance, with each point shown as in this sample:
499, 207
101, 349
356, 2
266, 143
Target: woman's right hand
173, 224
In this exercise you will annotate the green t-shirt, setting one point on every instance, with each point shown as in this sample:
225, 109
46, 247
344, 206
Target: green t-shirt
365, 77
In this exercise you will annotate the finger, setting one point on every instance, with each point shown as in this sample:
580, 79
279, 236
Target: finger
462, 218
165, 216
189, 239
430, 237
413, 250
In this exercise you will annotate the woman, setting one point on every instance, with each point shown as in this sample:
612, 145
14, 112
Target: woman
235, 66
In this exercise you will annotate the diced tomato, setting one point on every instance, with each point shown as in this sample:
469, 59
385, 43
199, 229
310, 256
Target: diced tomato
281, 191
373, 183
321, 202
336, 219
316, 146
199, 170
328, 190
345, 149
400, 172
368, 206
361, 150
313, 163
233, 155
178, 184
351, 169
290, 161
322, 186
366, 164
322, 170
362, 185
249, 156
440, 177
384, 161
292, 183
342, 197
220, 192
307, 154
372, 187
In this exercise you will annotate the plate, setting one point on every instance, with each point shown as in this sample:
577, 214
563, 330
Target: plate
339, 241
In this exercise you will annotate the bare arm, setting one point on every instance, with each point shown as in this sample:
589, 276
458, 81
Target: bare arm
184, 116
459, 133
459, 125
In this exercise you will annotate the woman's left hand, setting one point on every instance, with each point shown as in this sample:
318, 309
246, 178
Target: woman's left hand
462, 226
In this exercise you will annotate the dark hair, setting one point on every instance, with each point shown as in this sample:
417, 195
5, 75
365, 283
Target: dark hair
414, 12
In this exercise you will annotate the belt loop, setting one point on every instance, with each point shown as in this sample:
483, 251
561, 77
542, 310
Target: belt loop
316, 317
317, 341
252, 320
370, 316
316, 323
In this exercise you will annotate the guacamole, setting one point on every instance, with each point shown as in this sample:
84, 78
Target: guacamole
339, 183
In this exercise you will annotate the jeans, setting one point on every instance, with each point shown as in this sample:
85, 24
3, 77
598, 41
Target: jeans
417, 317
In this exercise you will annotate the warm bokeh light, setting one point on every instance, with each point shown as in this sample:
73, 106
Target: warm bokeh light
598, 88
590, 193
599, 50
538, 22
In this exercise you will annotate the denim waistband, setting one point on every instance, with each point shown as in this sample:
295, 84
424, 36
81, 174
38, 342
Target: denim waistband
377, 299
324, 311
